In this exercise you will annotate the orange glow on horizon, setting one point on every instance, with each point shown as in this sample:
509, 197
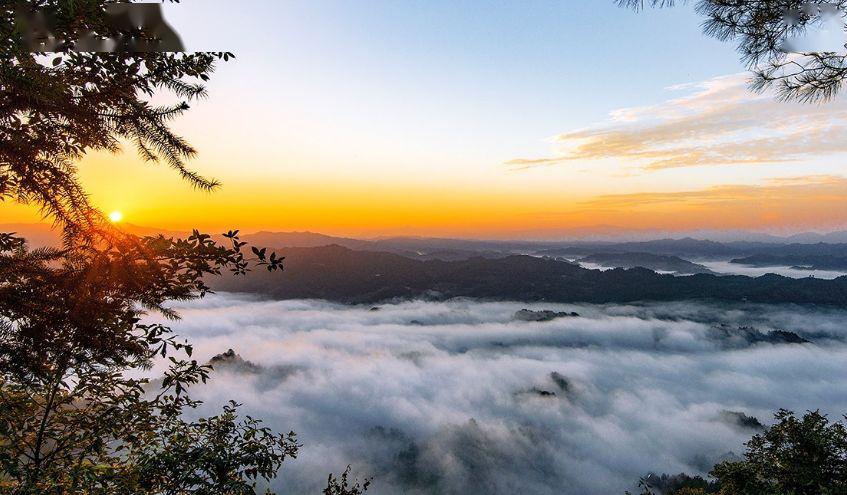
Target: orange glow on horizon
367, 210
535, 204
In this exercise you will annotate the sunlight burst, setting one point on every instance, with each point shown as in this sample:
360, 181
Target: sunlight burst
116, 216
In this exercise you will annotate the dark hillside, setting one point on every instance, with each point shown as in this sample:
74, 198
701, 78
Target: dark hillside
340, 274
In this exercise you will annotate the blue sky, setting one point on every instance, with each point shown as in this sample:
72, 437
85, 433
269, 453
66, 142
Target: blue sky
526, 69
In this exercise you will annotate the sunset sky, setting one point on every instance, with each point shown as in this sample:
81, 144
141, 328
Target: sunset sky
479, 119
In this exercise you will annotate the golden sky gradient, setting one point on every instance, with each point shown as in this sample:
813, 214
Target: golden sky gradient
713, 157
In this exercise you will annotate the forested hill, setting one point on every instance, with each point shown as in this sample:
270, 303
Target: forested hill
341, 274
650, 261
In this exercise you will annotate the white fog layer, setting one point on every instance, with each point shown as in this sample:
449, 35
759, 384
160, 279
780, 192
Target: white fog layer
727, 268
460, 397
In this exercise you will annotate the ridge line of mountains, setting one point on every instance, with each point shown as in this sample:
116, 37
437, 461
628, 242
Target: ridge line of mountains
349, 270
357, 271
340, 274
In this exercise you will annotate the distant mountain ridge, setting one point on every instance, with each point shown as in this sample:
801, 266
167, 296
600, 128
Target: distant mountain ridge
698, 249
423, 248
655, 262
301, 239
340, 274
456, 249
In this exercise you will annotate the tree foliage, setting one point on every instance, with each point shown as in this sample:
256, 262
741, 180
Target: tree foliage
760, 28
74, 319
343, 486
795, 456
54, 108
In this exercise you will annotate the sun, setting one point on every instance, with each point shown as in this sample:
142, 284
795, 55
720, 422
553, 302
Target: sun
116, 216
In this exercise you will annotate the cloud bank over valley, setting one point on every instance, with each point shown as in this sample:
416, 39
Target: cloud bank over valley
463, 397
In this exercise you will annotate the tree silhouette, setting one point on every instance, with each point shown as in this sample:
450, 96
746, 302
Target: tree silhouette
760, 28
71, 419
57, 107
800, 456
795, 456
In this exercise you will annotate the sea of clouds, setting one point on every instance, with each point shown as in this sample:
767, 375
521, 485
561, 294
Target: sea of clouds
458, 397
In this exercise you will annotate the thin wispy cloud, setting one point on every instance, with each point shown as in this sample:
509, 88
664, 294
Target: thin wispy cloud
785, 190
719, 122
795, 203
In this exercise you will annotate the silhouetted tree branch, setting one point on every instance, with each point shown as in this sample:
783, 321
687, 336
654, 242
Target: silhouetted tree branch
760, 29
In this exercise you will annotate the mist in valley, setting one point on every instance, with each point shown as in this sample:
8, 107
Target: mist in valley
462, 397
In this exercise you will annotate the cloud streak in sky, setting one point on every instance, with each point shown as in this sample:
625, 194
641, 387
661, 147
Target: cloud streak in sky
444, 397
719, 123
803, 202
780, 191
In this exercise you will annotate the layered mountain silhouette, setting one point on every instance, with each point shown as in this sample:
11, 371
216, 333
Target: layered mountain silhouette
341, 274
